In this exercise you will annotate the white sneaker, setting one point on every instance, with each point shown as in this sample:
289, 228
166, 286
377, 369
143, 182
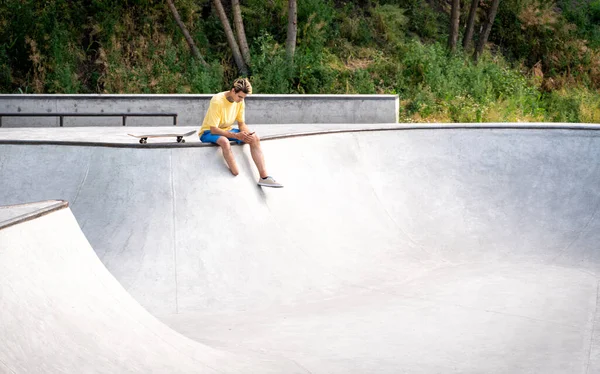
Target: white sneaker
269, 182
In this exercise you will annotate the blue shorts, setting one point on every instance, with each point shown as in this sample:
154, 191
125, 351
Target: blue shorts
207, 137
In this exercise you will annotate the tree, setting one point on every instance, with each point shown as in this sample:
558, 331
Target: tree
235, 49
239, 29
470, 24
454, 22
487, 28
185, 32
292, 30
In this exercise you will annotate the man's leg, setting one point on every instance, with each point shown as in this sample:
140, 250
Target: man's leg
223, 142
257, 156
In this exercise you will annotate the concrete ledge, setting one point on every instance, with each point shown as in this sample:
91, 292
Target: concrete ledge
264, 109
117, 137
14, 214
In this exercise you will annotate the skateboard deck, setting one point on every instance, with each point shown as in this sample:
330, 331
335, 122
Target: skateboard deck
179, 137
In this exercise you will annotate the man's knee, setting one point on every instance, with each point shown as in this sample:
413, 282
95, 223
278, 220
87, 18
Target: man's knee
224, 143
255, 140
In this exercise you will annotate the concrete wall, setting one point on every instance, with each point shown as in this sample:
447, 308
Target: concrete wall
260, 109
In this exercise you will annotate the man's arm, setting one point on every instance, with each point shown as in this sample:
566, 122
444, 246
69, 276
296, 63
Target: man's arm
245, 135
243, 127
217, 131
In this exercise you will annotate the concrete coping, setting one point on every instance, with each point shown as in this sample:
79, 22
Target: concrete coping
15, 214
117, 136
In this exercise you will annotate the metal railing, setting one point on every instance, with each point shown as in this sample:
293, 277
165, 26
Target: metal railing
63, 115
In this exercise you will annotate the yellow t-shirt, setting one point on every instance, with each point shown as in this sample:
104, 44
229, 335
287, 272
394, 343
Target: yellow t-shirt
222, 114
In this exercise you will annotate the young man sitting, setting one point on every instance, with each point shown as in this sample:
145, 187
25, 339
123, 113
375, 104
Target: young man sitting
226, 108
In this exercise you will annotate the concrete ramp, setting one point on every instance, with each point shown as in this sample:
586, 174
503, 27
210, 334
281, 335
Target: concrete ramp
471, 250
62, 312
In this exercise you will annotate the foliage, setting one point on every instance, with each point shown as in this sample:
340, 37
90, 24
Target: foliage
535, 31
542, 64
272, 72
585, 14
453, 88
424, 21
390, 22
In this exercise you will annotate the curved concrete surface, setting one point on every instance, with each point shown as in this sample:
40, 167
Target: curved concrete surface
62, 312
422, 251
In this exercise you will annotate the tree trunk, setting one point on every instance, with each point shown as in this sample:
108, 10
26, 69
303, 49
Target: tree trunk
235, 49
454, 22
470, 24
241, 33
186, 34
292, 30
485, 33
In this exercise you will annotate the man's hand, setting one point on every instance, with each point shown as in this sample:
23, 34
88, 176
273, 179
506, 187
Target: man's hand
245, 136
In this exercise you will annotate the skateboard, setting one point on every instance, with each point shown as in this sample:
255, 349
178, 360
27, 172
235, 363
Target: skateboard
179, 137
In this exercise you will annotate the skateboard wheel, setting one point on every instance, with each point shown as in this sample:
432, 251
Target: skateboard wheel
180, 139
143, 140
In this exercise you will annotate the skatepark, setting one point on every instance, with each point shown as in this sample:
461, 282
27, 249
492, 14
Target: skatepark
442, 248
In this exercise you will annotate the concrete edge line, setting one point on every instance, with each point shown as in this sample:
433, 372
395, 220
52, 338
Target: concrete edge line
60, 204
102, 144
451, 127
578, 127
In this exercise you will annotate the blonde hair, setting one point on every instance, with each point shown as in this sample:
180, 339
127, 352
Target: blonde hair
242, 84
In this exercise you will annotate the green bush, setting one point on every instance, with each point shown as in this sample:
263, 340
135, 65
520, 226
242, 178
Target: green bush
5, 71
432, 81
272, 72
586, 16
423, 21
562, 108
354, 25
202, 80
391, 22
